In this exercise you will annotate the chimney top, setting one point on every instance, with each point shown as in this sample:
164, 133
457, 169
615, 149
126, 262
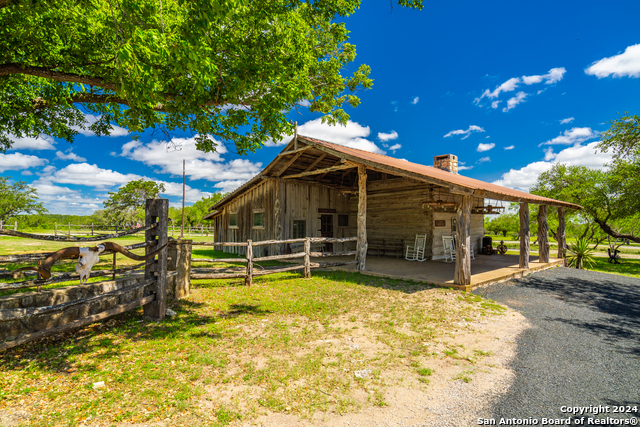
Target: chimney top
447, 162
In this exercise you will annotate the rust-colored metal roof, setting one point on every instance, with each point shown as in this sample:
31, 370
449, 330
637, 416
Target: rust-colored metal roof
406, 168
439, 174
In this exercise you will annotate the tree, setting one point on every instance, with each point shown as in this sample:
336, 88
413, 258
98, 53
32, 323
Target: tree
18, 198
229, 69
126, 205
504, 223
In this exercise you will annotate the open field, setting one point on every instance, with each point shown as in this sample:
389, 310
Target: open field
286, 346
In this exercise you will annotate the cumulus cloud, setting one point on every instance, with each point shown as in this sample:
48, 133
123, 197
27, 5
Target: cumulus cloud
395, 147
578, 155
512, 102
199, 165
191, 195
464, 168
388, 136
510, 147
484, 159
44, 142
90, 176
19, 161
69, 155
549, 154
91, 119
415, 100
466, 133
626, 64
567, 120
572, 136
553, 76
228, 186
485, 147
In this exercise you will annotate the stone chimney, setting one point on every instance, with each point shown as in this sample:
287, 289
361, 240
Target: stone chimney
446, 162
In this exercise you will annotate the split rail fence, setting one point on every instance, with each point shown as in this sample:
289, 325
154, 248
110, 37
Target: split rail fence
250, 272
153, 285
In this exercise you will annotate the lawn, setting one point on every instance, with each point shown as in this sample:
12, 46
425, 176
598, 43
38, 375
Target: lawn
286, 345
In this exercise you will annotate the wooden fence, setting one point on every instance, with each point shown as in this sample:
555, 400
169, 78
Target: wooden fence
91, 229
249, 272
152, 287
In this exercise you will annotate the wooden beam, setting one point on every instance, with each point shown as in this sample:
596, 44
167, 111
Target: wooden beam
338, 163
462, 275
560, 235
157, 210
525, 236
362, 218
543, 235
297, 150
318, 160
322, 171
289, 163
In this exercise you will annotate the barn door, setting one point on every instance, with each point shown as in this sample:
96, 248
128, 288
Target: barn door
326, 230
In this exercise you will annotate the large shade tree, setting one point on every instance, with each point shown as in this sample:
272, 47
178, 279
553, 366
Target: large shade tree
18, 198
227, 69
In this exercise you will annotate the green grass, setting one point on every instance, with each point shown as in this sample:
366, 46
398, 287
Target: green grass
627, 267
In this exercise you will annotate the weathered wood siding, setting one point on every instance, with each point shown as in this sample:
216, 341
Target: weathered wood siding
477, 230
395, 212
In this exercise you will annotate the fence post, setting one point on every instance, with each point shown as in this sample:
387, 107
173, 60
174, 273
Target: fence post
114, 266
157, 210
307, 258
249, 278
15, 226
1, 225
92, 229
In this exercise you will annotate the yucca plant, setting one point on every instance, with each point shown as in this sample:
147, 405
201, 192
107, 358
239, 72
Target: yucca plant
580, 254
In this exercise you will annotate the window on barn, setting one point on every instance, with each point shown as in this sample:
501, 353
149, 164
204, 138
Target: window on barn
343, 220
299, 229
258, 219
233, 220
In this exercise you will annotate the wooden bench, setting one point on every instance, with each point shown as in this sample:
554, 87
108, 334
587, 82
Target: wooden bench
386, 246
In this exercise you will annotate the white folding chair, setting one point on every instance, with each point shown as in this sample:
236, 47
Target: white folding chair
449, 248
416, 252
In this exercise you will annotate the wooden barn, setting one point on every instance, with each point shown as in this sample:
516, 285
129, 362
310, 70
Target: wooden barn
315, 188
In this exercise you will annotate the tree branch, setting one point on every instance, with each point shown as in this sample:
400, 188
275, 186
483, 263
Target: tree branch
47, 73
613, 233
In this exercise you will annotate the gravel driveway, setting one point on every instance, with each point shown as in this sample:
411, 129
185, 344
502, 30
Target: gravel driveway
583, 347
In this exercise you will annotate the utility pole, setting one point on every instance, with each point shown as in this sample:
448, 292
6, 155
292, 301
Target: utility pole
183, 185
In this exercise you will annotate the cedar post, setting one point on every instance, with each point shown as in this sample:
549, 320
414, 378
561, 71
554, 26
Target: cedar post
249, 278
92, 229
362, 217
525, 235
462, 275
307, 258
114, 266
543, 235
157, 210
562, 238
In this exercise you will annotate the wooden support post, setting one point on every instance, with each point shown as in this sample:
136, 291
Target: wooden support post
157, 210
114, 265
525, 236
295, 138
307, 258
249, 279
561, 236
362, 217
462, 275
543, 235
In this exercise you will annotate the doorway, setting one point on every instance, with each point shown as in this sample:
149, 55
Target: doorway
326, 230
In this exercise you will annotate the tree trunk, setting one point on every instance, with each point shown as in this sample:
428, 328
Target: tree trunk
525, 236
543, 235
462, 275
362, 217
561, 236
613, 233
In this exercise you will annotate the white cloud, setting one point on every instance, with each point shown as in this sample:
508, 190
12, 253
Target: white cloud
91, 119
512, 102
485, 147
44, 142
626, 64
192, 195
90, 176
572, 136
511, 147
553, 76
19, 161
464, 168
229, 186
484, 159
567, 120
69, 156
415, 100
199, 165
395, 147
549, 154
578, 155
395, 106
388, 136
352, 135
26, 173
472, 128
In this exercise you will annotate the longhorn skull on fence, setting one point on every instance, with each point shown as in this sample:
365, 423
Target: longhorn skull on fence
88, 257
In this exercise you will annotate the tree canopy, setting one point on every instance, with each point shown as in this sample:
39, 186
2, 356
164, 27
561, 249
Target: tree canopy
228, 69
18, 198
126, 205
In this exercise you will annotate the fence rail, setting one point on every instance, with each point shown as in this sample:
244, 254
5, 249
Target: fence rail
249, 259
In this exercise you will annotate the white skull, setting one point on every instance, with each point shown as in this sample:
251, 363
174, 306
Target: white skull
86, 262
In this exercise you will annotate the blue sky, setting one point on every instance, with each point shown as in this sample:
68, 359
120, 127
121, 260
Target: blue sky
508, 87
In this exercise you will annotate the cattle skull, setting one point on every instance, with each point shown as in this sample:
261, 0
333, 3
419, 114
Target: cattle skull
88, 258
